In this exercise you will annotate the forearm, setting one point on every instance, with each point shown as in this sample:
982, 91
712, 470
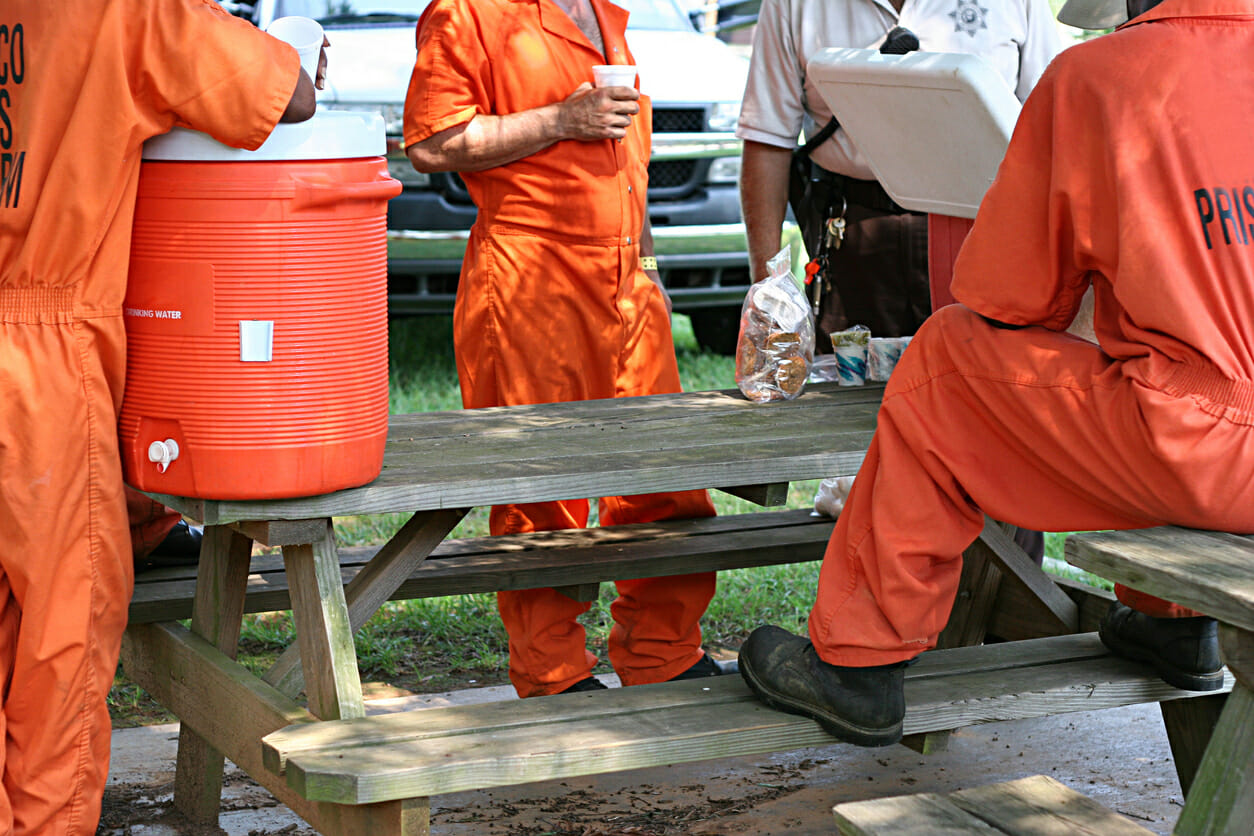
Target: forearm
489, 141
763, 201
646, 251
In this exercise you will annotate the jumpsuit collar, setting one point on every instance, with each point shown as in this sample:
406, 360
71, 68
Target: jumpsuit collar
556, 22
1174, 9
613, 22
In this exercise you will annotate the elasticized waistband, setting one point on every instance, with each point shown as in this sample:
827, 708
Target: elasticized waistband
40, 303
1207, 382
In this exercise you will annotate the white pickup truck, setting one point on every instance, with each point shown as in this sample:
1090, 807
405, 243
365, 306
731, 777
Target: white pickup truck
695, 81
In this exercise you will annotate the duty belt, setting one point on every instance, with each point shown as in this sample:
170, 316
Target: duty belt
868, 193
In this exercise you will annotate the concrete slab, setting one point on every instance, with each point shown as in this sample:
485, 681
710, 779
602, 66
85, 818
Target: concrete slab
1119, 757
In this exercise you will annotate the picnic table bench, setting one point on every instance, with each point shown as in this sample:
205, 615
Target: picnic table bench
1213, 573
348, 773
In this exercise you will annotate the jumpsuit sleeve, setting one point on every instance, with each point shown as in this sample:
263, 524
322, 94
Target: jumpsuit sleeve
452, 78
1023, 263
772, 110
1041, 43
199, 67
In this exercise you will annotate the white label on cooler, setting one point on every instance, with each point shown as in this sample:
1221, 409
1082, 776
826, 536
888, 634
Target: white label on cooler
256, 340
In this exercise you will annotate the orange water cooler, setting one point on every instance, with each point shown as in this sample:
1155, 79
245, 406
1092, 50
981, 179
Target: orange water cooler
256, 313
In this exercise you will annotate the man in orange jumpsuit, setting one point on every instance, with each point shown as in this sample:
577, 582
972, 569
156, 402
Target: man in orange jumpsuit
555, 302
1128, 171
82, 84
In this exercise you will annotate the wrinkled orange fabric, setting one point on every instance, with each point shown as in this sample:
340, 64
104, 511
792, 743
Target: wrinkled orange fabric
149, 522
1129, 175
82, 84
553, 306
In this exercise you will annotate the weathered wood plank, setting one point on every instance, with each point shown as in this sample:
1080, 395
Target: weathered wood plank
968, 620
1206, 570
281, 532
1013, 619
924, 814
582, 592
533, 560
1034, 806
768, 496
1221, 800
320, 615
1190, 725
377, 582
590, 448
514, 481
445, 750
218, 613
1050, 605
977, 592
1041, 806
224, 702
662, 408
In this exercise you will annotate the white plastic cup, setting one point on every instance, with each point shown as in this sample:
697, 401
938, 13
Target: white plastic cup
882, 356
850, 347
614, 75
303, 33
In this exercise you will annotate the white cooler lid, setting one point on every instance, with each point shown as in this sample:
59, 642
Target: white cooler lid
329, 135
934, 126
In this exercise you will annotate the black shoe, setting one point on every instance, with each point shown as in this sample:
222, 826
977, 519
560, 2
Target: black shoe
589, 684
865, 706
180, 546
707, 666
1183, 651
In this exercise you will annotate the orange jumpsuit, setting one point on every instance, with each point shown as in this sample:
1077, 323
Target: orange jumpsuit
552, 306
1130, 170
82, 84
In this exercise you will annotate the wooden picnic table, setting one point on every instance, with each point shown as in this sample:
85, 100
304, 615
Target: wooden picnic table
436, 467
1213, 573
347, 773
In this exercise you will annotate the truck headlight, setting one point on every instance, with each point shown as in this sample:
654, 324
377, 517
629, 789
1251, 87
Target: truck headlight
723, 116
724, 170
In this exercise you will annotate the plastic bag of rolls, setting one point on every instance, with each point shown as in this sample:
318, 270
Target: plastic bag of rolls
776, 343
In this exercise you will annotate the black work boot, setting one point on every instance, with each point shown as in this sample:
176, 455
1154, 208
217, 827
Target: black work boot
859, 705
707, 665
1183, 651
591, 683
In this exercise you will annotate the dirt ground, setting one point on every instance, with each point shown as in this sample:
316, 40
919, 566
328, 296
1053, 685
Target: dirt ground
1119, 757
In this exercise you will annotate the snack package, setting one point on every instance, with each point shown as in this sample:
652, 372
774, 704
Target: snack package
776, 343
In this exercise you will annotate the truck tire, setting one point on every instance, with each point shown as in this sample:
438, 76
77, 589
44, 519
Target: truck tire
716, 329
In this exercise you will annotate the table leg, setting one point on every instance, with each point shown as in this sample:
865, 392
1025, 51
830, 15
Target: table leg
217, 614
1051, 611
1221, 800
323, 633
375, 584
1190, 724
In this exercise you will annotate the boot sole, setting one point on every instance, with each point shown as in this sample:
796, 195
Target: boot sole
834, 725
1169, 673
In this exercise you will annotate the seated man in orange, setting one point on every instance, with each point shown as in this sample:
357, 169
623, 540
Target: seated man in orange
559, 297
83, 83
1126, 173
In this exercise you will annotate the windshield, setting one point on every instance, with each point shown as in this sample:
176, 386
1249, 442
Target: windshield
645, 14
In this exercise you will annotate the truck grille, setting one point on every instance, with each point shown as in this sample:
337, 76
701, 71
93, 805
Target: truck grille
679, 120
672, 174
